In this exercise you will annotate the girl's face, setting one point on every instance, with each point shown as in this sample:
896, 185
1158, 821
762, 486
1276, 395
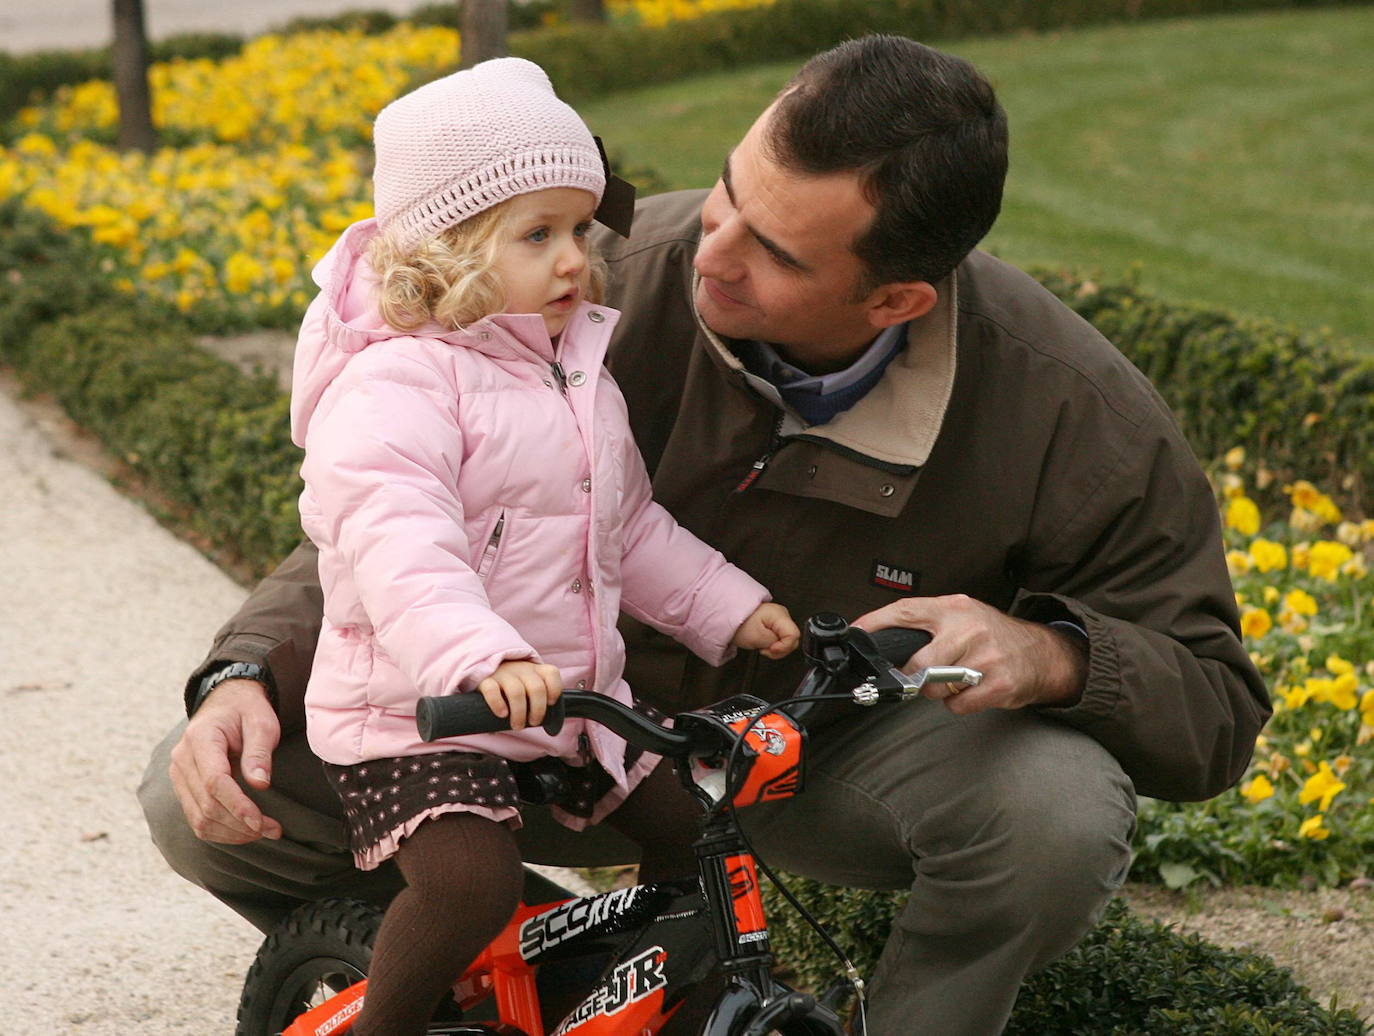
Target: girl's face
542, 256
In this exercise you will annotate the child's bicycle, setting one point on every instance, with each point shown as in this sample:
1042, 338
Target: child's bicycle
648, 944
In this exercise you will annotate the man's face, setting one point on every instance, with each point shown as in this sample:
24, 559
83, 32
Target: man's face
776, 260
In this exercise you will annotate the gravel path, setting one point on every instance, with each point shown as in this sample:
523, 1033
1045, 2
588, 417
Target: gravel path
103, 614
1325, 936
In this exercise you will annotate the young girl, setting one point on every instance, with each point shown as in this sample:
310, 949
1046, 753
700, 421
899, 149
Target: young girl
483, 516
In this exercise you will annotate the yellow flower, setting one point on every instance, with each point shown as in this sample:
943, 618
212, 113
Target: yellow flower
1341, 764
1271, 594
241, 272
1294, 697
1268, 556
1242, 515
1326, 558
1342, 694
1257, 790
1337, 666
1300, 602
1307, 497
1312, 828
1235, 457
1323, 785
1255, 622
1237, 562
1318, 687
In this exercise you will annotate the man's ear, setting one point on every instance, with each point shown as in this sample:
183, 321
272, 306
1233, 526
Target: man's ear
900, 302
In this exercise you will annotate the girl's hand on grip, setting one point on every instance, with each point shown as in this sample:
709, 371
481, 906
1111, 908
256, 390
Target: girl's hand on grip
522, 690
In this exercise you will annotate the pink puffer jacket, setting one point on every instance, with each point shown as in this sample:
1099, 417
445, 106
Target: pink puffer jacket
469, 510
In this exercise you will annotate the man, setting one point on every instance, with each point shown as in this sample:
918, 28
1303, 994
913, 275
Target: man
870, 418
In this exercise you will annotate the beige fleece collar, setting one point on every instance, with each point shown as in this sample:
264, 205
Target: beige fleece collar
897, 421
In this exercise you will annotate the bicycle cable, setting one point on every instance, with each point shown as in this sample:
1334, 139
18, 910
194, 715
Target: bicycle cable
851, 972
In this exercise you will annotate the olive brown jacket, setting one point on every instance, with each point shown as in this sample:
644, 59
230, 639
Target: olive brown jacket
1009, 453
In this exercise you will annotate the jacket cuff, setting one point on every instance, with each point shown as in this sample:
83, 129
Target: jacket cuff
277, 658
1102, 685
719, 613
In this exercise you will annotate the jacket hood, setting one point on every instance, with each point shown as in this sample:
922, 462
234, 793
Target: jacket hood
344, 320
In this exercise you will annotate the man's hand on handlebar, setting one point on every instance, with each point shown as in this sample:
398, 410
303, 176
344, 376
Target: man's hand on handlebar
235, 728
1023, 663
769, 630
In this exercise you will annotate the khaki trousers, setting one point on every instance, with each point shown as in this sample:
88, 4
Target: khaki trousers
1012, 832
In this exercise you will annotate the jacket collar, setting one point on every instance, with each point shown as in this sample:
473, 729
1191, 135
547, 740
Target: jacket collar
898, 420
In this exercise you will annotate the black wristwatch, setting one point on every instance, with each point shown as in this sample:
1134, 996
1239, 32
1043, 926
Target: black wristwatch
217, 674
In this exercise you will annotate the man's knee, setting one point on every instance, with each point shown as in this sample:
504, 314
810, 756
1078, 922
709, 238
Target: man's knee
167, 825
1052, 835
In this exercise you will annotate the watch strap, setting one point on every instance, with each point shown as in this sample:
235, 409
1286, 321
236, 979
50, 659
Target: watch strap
218, 673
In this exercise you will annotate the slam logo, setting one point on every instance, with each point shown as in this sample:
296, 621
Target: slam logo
893, 577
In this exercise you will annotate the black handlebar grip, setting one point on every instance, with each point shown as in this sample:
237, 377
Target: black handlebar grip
897, 643
455, 714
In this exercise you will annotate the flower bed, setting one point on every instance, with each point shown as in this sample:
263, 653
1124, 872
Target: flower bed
267, 159
1306, 595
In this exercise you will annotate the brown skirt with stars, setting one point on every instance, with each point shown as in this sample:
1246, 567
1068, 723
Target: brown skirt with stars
387, 799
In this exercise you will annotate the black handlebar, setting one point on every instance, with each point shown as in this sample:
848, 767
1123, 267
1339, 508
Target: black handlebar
898, 644
455, 715
840, 654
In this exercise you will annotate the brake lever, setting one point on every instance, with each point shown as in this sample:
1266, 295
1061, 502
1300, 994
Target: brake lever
870, 692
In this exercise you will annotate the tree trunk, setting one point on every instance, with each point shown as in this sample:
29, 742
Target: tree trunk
130, 58
483, 25
587, 10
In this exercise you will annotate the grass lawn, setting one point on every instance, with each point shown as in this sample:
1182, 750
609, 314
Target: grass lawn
1228, 160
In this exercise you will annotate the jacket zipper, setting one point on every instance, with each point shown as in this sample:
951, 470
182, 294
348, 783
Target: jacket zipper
759, 465
488, 561
559, 376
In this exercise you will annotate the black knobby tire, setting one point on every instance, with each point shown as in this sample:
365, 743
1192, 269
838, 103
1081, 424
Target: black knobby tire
320, 949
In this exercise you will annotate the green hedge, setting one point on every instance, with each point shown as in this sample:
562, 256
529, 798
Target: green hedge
1301, 403
213, 442
1126, 977
590, 60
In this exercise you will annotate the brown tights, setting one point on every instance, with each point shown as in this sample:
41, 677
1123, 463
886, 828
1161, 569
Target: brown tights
463, 879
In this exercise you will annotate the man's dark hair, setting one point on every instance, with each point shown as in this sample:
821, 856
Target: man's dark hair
927, 136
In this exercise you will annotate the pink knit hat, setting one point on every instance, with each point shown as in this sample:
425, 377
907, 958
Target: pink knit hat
469, 141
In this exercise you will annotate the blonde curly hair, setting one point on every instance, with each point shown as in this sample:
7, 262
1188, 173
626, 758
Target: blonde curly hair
451, 278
